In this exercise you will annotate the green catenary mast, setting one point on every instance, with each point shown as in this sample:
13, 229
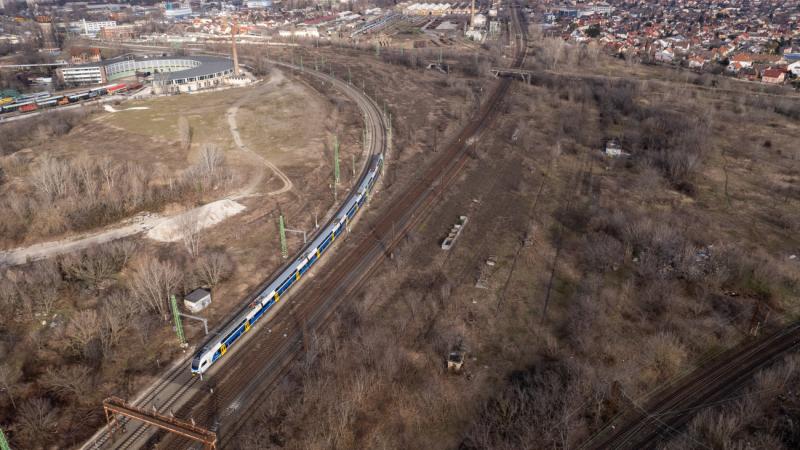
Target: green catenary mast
176, 315
3, 442
284, 247
336, 161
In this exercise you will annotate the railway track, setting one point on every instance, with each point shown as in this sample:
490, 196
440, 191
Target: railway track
250, 372
168, 395
671, 409
265, 362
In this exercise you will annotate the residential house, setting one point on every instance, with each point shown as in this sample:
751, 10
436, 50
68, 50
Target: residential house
773, 76
794, 68
697, 62
84, 55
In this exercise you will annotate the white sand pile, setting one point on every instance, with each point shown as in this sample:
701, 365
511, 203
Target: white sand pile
173, 229
111, 109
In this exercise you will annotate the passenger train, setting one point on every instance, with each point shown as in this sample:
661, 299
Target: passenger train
267, 298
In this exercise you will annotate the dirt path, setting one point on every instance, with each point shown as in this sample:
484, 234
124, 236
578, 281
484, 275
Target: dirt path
162, 227
250, 189
53, 248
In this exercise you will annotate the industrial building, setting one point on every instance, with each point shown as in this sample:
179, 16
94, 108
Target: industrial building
170, 74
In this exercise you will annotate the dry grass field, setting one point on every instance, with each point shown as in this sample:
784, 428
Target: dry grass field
611, 276
81, 327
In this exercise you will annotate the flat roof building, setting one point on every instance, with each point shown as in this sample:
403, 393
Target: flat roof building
197, 300
171, 74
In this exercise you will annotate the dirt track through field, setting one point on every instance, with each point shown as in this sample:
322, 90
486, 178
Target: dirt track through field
139, 224
250, 190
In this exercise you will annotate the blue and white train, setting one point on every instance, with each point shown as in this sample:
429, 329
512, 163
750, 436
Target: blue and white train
221, 344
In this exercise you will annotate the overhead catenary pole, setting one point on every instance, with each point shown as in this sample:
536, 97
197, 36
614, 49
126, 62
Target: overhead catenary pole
284, 247
336, 161
3, 442
388, 143
176, 317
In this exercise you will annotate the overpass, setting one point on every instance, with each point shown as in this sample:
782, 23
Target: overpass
525, 75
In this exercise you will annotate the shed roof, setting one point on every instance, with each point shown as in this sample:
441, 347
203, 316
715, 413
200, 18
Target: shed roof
197, 295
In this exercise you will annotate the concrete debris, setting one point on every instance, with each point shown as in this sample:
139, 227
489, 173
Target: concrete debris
174, 228
455, 361
455, 231
486, 272
111, 109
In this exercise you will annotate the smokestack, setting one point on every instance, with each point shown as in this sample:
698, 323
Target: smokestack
234, 30
472, 15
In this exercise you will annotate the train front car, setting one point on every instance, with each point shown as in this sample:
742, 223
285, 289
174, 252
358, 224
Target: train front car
202, 360
268, 297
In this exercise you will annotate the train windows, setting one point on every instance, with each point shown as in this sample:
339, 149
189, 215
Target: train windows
286, 284
325, 243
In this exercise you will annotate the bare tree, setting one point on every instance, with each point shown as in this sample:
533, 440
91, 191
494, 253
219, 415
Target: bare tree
190, 232
9, 375
39, 287
153, 282
109, 171
37, 421
68, 381
553, 50
51, 177
184, 132
84, 328
214, 267
115, 316
211, 160
209, 170
98, 264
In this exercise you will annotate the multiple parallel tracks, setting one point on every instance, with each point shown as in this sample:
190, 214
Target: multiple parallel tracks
256, 365
178, 392
670, 410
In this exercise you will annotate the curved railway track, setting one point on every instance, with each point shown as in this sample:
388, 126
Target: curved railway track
265, 356
264, 362
166, 396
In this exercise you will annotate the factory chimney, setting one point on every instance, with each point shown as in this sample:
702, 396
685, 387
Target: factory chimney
234, 30
472, 15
